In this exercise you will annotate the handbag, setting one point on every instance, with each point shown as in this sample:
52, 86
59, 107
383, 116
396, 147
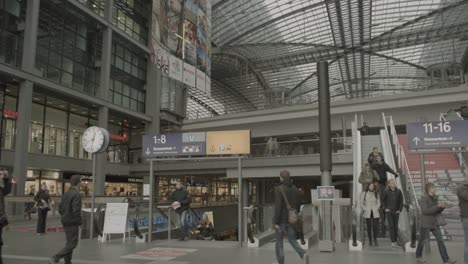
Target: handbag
440, 220
293, 216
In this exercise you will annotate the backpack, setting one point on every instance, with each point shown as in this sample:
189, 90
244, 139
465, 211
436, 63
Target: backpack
293, 216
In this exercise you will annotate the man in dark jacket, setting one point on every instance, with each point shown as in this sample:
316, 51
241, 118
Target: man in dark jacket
430, 213
181, 203
70, 210
280, 219
392, 202
462, 194
381, 167
4, 191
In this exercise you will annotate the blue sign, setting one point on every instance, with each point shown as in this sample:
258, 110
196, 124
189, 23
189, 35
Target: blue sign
442, 134
170, 145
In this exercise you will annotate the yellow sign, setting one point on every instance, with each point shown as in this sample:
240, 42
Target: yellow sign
228, 142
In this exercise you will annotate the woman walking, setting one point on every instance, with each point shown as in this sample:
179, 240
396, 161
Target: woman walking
42, 199
431, 221
370, 204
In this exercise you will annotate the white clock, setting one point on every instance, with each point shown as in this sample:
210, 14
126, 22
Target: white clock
95, 139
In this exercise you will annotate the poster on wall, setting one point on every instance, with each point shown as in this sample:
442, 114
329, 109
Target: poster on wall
201, 81
189, 75
175, 68
191, 10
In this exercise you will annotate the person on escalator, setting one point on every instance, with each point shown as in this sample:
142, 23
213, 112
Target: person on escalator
431, 220
392, 200
381, 167
372, 159
368, 176
370, 204
181, 203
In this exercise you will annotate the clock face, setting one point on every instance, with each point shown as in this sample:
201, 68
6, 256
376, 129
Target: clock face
94, 139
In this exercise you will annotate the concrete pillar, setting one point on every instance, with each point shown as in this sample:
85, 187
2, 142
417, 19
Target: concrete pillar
153, 98
326, 240
102, 92
25, 96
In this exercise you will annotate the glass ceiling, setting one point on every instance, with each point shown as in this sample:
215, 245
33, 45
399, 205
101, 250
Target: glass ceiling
268, 49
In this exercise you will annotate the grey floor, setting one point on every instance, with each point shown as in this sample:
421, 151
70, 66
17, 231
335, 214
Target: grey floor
27, 248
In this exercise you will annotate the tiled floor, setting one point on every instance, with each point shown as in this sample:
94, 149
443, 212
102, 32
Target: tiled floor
26, 248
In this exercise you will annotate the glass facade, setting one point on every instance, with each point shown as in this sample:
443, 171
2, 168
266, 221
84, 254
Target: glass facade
128, 78
10, 32
68, 48
97, 6
172, 96
131, 16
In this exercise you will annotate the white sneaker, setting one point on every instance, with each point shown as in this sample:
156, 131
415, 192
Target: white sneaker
393, 245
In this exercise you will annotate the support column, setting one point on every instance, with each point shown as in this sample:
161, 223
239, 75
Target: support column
102, 92
25, 96
153, 98
326, 240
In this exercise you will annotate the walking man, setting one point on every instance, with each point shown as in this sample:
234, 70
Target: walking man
181, 203
286, 197
462, 194
70, 210
392, 199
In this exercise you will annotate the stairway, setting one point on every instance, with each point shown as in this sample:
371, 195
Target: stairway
445, 172
367, 144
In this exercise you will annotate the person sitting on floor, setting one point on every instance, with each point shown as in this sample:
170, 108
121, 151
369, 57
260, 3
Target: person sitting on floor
205, 228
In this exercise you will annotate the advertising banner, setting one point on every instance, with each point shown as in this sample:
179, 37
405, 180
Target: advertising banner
175, 68
200, 80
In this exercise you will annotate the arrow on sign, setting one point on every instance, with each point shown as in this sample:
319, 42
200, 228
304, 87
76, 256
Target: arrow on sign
416, 140
148, 151
212, 148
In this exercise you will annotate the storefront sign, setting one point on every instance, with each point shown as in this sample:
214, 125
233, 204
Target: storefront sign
10, 113
228, 142
123, 137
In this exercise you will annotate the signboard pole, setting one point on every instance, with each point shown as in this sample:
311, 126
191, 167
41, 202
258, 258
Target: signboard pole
151, 199
93, 196
423, 189
239, 201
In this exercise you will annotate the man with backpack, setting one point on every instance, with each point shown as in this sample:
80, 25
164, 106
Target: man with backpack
286, 218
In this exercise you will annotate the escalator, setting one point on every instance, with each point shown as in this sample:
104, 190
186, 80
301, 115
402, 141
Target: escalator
388, 142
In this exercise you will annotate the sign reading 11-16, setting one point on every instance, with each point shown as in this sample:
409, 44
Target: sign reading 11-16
442, 134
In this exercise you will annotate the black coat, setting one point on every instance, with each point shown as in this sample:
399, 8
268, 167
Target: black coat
281, 209
183, 197
4, 192
70, 208
382, 169
42, 195
392, 200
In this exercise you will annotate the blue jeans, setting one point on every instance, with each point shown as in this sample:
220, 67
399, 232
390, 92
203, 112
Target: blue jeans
292, 238
424, 236
465, 227
183, 223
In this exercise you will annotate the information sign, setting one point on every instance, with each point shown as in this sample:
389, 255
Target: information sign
185, 144
442, 134
228, 142
326, 193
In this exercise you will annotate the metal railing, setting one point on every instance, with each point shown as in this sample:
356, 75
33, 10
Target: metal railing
395, 156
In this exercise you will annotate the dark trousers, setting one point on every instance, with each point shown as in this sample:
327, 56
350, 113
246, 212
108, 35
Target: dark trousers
41, 220
71, 233
392, 218
424, 236
372, 227
1, 244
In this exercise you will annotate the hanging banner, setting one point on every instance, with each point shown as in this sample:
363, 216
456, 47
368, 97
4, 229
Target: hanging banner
200, 80
175, 68
189, 75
